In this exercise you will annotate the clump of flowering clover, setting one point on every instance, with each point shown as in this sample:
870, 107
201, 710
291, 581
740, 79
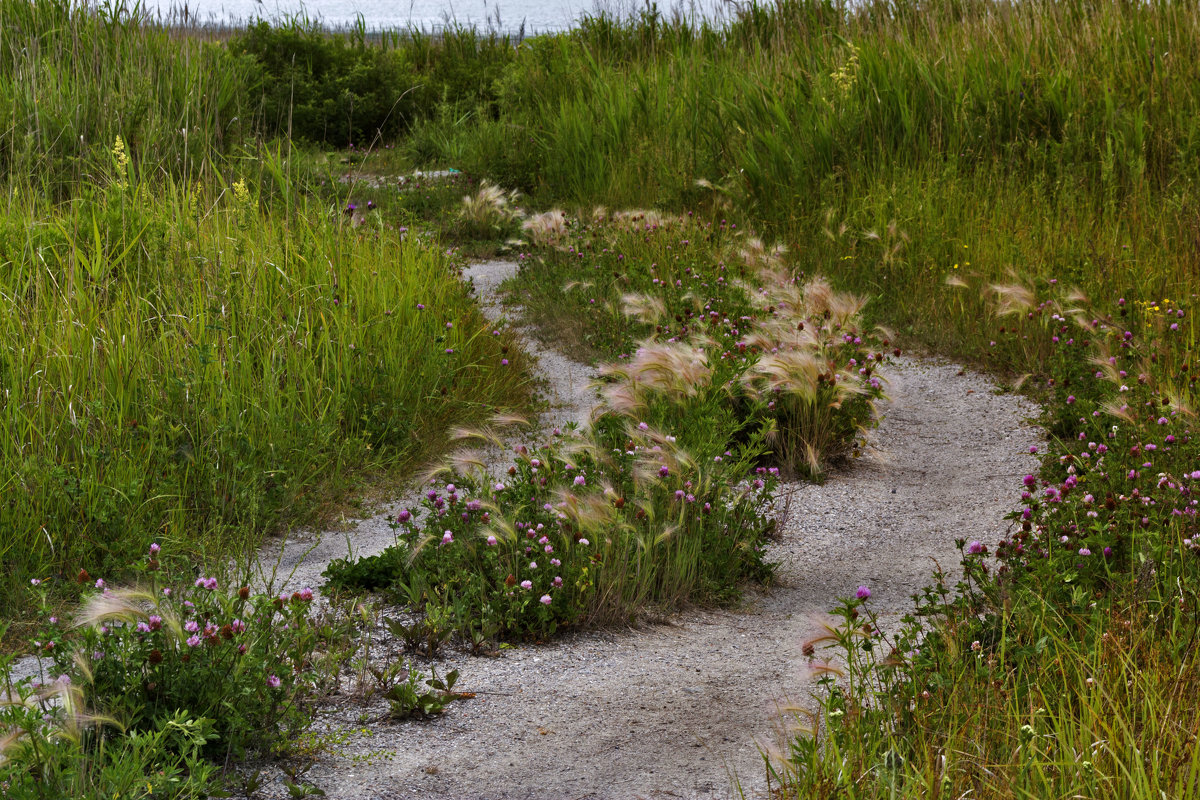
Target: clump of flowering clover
234, 656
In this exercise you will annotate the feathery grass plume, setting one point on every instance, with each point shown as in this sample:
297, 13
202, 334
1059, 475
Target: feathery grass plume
419, 545
579, 447
124, 605
954, 280
644, 308
799, 372
1106, 367
589, 511
666, 534
1118, 408
9, 740
1176, 402
547, 229
621, 398
828, 230
795, 372
467, 462
720, 193
1020, 381
509, 420
1012, 298
675, 369
635, 220
69, 720
1076, 296
432, 473
818, 670
662, 453
485, 435
694, 300
73, 715
754, 253
490, 208
818, 297
498, 525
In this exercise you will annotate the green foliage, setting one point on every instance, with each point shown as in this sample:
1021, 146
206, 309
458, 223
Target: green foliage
350, 90
178, 102
1066, 651
886, 143
160, 343
572, 536
661, 501
408, 699
51, 749
242, 661
787, 353
175, 672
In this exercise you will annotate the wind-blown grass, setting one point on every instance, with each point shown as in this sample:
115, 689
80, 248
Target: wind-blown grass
1057, 138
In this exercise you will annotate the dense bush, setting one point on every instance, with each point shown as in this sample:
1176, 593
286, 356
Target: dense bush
352, 90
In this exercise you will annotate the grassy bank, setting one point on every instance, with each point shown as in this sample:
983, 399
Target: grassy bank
197, 347
202, 363
1043, 137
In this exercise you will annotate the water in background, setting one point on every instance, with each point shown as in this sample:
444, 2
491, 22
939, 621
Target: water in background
510, 16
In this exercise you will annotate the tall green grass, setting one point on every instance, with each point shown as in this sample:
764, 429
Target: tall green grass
201, 363
1056, 138
73, 77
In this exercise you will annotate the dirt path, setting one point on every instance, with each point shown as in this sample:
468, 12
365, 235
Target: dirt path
680, 709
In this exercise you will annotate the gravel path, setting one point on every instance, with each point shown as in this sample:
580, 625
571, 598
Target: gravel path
680, 709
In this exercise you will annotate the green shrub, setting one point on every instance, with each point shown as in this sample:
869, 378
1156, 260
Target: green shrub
351, 90
577, 533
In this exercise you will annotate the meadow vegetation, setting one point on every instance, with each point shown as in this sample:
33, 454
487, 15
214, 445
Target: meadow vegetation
661, 501
1012, 183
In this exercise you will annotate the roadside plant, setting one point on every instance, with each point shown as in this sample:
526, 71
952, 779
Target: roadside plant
409, 698
587, 529
489, 213
242, 662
